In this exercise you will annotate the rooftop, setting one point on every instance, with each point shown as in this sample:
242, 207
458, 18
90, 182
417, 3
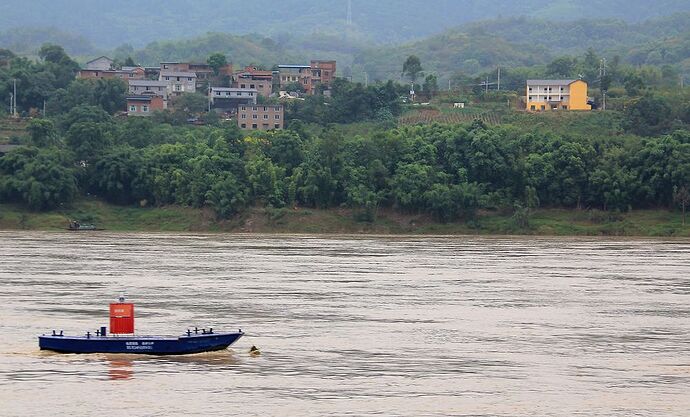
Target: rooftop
235, 89
148, 83
550, 82
177, 74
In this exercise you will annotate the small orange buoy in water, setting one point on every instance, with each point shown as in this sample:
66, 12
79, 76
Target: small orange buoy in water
254, 351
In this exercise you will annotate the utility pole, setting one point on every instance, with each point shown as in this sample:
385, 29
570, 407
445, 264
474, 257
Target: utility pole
499, 79
487, 84
44, 108
366, 79
11, 104
14, 106
449, 89
602, 74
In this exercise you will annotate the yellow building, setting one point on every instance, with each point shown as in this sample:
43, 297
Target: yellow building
545, 95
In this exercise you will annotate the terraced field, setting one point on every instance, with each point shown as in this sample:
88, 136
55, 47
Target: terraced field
425, 116
10, 128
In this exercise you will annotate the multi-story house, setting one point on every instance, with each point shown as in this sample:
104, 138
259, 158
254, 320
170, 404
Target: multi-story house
251, 77
261, 117
289, 74
178, 82
149, 87
318, 73
228, 99
322, 73
204, 72
144, 105
127, 73
545, 95
102, 63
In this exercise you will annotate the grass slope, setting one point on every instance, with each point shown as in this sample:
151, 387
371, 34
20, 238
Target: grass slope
342, 221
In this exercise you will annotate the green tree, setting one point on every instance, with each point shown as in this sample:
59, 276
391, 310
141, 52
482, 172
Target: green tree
563, 67
216, 62
648, 116
42, 132
430, 86
681, 196
39, 178
412, 68
87, 139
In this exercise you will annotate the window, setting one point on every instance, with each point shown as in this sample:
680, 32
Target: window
265, 125
543, 107
243, 85
132, 108
276, 126
252, 86
244, 116
251, 94
244, 108
565, 107
530, 89
533, 107
255, 116
178, 78
254, 108
217, 93
189, 79
145, 108
244, 125
254, 126
131, 75
165, 66
277, 108
178, 87
167, 78
148, 88
265, 117
239, 93
277, 117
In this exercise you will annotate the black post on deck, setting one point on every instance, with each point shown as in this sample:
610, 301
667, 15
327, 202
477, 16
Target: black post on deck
103, 332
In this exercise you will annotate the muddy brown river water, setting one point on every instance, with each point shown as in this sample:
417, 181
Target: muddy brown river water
414, 326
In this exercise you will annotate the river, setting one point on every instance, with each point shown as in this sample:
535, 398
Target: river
414, 326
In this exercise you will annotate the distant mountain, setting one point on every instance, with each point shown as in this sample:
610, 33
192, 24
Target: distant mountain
112, 23
27, 41
527, 41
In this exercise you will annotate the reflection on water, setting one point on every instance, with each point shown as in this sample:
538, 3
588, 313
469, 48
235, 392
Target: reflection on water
120, 369
353, 326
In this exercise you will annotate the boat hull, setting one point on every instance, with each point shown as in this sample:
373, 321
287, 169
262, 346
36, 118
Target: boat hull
183, 345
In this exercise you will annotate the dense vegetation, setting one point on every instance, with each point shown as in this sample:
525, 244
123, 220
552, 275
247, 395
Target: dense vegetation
522, 42
447, 171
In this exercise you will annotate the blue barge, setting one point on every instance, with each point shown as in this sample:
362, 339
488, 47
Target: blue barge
123, 340
190, 342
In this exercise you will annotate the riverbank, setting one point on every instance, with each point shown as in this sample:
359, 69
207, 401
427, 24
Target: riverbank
545, 222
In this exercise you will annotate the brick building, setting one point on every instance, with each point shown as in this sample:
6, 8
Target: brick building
144, 105
251, 77
261, 117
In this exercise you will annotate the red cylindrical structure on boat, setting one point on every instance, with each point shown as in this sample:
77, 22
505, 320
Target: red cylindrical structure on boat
121, 318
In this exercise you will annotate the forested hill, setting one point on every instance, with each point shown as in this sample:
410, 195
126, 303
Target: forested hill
512, 42
109, 24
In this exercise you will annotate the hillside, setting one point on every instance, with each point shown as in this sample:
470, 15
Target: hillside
518, 42
109, 24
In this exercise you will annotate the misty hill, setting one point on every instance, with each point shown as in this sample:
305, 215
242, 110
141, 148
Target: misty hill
109, 24
520, 41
